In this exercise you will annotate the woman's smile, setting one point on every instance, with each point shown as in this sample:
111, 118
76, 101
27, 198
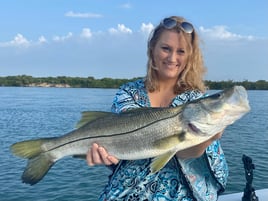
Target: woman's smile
170, 65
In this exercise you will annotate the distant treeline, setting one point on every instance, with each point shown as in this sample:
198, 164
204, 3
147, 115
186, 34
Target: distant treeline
91, 82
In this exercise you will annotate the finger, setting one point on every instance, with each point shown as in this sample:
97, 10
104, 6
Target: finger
104, 156
91, 152
89, 158
113, 160
96, 158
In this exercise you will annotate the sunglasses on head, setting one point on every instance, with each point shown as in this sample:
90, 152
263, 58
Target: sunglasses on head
170, 23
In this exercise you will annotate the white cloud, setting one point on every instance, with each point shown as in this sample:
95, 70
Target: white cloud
147, 28
121, 28
42, 39
19, 41
126, 6
86, 33
22, 42
221, 32
83, 15
62, 38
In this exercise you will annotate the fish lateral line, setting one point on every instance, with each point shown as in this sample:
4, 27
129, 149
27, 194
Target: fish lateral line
112, 135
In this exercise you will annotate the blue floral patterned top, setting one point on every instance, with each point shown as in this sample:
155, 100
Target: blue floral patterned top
199, 179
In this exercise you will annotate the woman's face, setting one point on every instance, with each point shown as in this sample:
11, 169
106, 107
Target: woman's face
170, 55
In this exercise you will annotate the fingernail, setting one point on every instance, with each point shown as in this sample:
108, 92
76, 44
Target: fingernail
94, 144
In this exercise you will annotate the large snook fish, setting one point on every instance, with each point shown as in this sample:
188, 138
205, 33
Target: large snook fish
141, 133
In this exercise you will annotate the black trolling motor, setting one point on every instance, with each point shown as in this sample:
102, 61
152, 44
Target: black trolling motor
249, 191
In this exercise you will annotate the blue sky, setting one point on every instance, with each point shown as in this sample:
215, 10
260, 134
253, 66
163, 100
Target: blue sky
103, 38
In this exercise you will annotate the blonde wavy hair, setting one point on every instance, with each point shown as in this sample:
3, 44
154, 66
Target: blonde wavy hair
191, 78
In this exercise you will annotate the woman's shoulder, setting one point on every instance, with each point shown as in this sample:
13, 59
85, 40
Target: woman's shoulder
135, 89
130, 95
187, 96
133, 85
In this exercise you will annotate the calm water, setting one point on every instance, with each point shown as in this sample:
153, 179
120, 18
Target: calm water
27, 113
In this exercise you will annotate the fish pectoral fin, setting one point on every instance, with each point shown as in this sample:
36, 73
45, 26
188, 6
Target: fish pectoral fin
169, 142
88, 116
160, 161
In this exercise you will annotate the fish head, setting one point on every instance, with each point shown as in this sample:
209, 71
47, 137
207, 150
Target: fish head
212, 114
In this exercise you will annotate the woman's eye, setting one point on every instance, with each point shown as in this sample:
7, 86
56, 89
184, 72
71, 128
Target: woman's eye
181, 51
165, 48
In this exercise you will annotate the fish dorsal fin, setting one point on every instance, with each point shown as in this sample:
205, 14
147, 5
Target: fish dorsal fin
88, 116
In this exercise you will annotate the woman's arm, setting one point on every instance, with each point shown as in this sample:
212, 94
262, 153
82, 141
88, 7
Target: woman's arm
198, 150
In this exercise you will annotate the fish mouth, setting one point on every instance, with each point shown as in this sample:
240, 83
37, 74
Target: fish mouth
240, 98
193, 128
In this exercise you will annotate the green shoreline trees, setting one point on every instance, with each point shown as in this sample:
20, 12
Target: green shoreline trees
91, 82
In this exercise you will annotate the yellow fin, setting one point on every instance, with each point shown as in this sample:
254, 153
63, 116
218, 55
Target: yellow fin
160, 161
171, 141
89, 116
29, 148
39, 161
37, 168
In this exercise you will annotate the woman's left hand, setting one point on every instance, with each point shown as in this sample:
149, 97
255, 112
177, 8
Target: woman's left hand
198, 150
97, 155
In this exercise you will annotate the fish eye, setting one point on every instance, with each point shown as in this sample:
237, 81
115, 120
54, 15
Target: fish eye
216, 96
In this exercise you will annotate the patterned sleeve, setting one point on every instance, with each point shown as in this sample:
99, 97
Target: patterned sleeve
129, 96
217, 163
122, 101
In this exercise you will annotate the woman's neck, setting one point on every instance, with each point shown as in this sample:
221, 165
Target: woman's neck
163, 96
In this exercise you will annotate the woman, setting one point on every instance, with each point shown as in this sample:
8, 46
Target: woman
175, 72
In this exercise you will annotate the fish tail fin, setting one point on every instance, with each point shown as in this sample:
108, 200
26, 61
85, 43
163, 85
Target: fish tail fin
37, 168
27, 149
39, 162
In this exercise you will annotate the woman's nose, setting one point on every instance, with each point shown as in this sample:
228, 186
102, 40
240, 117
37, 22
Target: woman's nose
172, 57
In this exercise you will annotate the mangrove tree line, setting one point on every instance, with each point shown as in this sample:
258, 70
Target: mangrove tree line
91, 82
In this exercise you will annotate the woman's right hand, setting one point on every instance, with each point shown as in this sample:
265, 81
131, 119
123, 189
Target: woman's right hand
97, 155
